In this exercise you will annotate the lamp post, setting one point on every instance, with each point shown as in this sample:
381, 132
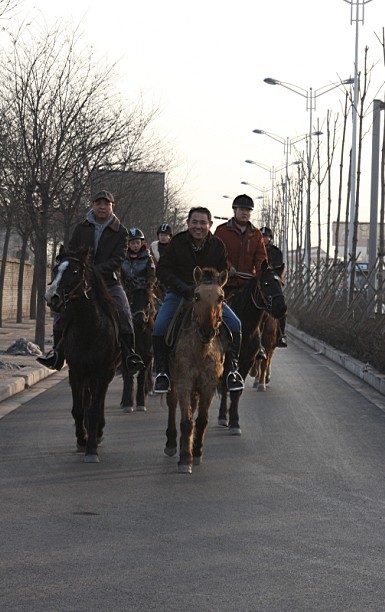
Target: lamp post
359, 16
311, 96
273, 173
287, 144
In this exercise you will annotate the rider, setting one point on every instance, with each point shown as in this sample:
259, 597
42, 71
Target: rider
105, 236
275, 258
138, 267
245, 246
194, 247
158, 247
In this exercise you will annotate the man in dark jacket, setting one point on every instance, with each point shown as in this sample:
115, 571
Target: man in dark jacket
275, 259
194, 247
107, 239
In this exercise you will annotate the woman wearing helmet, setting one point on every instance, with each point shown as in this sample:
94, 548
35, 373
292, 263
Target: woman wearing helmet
138, 267
158, 247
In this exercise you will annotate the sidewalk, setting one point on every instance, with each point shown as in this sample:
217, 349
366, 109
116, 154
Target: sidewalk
19, 372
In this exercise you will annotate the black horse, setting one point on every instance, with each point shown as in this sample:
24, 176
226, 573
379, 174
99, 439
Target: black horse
141, 301
91, 344
261, 294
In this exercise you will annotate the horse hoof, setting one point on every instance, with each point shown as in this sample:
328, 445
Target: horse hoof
222, 422
235, 430
261, 388
141, 409
91, 459
128, 409
170, 452
197, 461
255, 384
184, 469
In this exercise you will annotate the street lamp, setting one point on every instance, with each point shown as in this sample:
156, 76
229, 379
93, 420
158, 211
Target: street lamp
287, 143
311, 98
273, 173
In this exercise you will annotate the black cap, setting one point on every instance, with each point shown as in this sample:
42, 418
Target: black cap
266, 231
243, 201
104, 195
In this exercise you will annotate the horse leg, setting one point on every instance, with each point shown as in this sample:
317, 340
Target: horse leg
200, 428
78, 410
222, 416
186, 437
95, 411
262, 375
127, 402
171, 433
141, 391
234, 428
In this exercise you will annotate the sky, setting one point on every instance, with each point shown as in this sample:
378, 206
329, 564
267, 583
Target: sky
203, 63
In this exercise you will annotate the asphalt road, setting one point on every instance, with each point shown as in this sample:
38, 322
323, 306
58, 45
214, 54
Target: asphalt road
290, 516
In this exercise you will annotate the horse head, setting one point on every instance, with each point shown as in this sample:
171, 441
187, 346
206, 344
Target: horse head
208, 301
71, 280
268, 294
142, 307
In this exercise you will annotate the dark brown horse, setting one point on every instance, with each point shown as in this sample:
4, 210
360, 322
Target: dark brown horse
141, 301
261, 368
91, 344
261, 294
196, 365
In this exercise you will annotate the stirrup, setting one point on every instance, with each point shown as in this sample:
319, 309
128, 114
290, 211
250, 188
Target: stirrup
162, 383
262, 354
282, 342
234, 382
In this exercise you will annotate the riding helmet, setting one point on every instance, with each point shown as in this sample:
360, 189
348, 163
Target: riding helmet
165, 228
243, 201
266, 231
135, 232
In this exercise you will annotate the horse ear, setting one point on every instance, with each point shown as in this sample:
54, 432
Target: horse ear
223, 277
197, 274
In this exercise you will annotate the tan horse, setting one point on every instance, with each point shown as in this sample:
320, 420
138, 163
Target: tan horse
196, 365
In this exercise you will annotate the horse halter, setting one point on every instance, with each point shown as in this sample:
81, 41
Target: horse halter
267, 300
73, 294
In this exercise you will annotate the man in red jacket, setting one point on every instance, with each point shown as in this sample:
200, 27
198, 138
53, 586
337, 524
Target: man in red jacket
245, 245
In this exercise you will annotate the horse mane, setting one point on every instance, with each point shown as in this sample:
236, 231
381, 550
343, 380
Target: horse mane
209, 275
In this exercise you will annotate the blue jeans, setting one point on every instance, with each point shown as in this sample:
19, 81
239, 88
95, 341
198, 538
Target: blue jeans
169, 307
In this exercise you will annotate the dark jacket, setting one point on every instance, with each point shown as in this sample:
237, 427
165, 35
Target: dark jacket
274, 255
175, 267
111, 249
139, 268
246, 251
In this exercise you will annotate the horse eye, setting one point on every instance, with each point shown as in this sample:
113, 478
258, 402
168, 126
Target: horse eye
196, 297
220, 299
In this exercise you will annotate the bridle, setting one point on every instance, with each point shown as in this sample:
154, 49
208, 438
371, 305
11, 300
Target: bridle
266, 301
74, 294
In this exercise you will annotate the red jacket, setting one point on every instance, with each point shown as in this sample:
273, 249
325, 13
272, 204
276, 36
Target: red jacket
246, 251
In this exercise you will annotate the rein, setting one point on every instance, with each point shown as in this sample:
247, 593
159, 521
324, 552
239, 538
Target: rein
267, 301
73, 294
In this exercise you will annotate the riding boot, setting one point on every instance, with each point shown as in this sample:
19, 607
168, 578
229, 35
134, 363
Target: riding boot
54, 359
281, 341
234, 380
132, 360
162, 380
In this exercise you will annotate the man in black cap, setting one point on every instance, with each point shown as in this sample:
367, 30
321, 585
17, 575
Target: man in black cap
107, 239
275, 258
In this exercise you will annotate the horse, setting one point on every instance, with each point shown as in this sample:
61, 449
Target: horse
91, 344
143, 310
196, 364
261, 294
261, 368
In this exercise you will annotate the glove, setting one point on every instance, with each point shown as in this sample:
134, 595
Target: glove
232, 272
185, 290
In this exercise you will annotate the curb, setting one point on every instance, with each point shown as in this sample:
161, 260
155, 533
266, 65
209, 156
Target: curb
364, 371
23, 380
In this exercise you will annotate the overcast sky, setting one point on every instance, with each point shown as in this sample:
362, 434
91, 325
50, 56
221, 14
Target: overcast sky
203, 63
